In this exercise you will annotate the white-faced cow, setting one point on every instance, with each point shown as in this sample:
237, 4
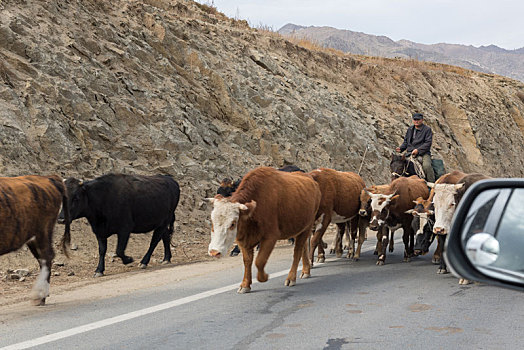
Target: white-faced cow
340, 203
228, 187
30, 206
389, 208
269, 205
445, 200
122, 204
422, 224
365, 213
424, 219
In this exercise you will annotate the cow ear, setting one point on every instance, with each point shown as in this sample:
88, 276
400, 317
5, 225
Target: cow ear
430, 184
394, 198
248, 208
431, 212
411, 211
459, 186
369, 193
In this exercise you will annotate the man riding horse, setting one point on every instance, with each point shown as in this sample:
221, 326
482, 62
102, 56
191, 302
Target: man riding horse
417, 142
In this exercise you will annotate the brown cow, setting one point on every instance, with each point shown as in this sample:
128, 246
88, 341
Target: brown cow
389, 208
30, 206
267, 206
339, 204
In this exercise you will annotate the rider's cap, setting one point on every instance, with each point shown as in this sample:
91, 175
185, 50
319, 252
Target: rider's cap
417, 116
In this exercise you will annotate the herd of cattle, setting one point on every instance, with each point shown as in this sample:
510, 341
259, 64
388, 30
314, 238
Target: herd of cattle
266, 205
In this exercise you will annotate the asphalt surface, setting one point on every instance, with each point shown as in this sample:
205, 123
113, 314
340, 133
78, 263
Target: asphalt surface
344, 305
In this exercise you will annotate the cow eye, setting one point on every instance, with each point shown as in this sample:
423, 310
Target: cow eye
232, 225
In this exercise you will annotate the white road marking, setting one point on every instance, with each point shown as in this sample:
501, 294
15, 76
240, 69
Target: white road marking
129, 316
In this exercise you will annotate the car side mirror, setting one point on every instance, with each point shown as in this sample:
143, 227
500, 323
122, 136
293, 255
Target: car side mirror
486, 241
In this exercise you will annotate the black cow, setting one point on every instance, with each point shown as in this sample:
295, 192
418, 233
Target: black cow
290, 168
227, 187
422, 224
122, 204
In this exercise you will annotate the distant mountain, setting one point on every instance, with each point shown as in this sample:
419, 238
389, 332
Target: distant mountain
487, 59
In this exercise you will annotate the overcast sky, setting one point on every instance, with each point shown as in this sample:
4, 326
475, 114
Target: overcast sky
469, 22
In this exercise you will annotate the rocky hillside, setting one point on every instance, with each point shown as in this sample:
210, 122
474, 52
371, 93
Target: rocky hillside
487, 59
89, 87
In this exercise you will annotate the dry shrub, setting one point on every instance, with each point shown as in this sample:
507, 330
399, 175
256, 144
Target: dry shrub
207, 8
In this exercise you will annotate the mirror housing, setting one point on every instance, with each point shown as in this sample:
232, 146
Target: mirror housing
477, 252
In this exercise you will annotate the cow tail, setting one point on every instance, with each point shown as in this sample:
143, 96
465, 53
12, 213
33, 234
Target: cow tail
171, 228
66, 239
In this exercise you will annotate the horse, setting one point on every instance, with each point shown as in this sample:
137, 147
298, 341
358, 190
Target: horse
401, 166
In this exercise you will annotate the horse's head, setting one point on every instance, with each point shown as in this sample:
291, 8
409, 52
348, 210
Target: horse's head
398, 165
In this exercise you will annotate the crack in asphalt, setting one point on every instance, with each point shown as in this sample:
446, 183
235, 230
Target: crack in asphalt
278, 319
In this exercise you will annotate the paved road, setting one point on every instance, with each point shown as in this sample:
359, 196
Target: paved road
345, 305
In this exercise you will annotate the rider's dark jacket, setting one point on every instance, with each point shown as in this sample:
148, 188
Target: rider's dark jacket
421, 140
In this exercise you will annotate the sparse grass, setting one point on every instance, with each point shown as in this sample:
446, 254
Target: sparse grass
208, 7
312, 45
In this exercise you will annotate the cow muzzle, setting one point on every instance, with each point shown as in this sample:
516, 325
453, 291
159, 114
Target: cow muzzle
214, 253
362, 212
439, 230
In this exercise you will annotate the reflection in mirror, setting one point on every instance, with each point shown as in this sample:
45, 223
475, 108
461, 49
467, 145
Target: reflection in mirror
498, 213
482, 249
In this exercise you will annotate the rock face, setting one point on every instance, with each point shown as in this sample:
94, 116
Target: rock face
89, 87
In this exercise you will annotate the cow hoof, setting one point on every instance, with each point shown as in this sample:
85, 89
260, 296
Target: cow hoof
464, 281
355, 259
407, 260
98, 274
305, 275
166, 262
339, 255
262, 277
233, 253
38, 302
127, 260
375, 252
324, 244
442, 271
321, 259
243, 290
435, 261
332, 251
391, 250
142, 266
290, 283
380, 262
